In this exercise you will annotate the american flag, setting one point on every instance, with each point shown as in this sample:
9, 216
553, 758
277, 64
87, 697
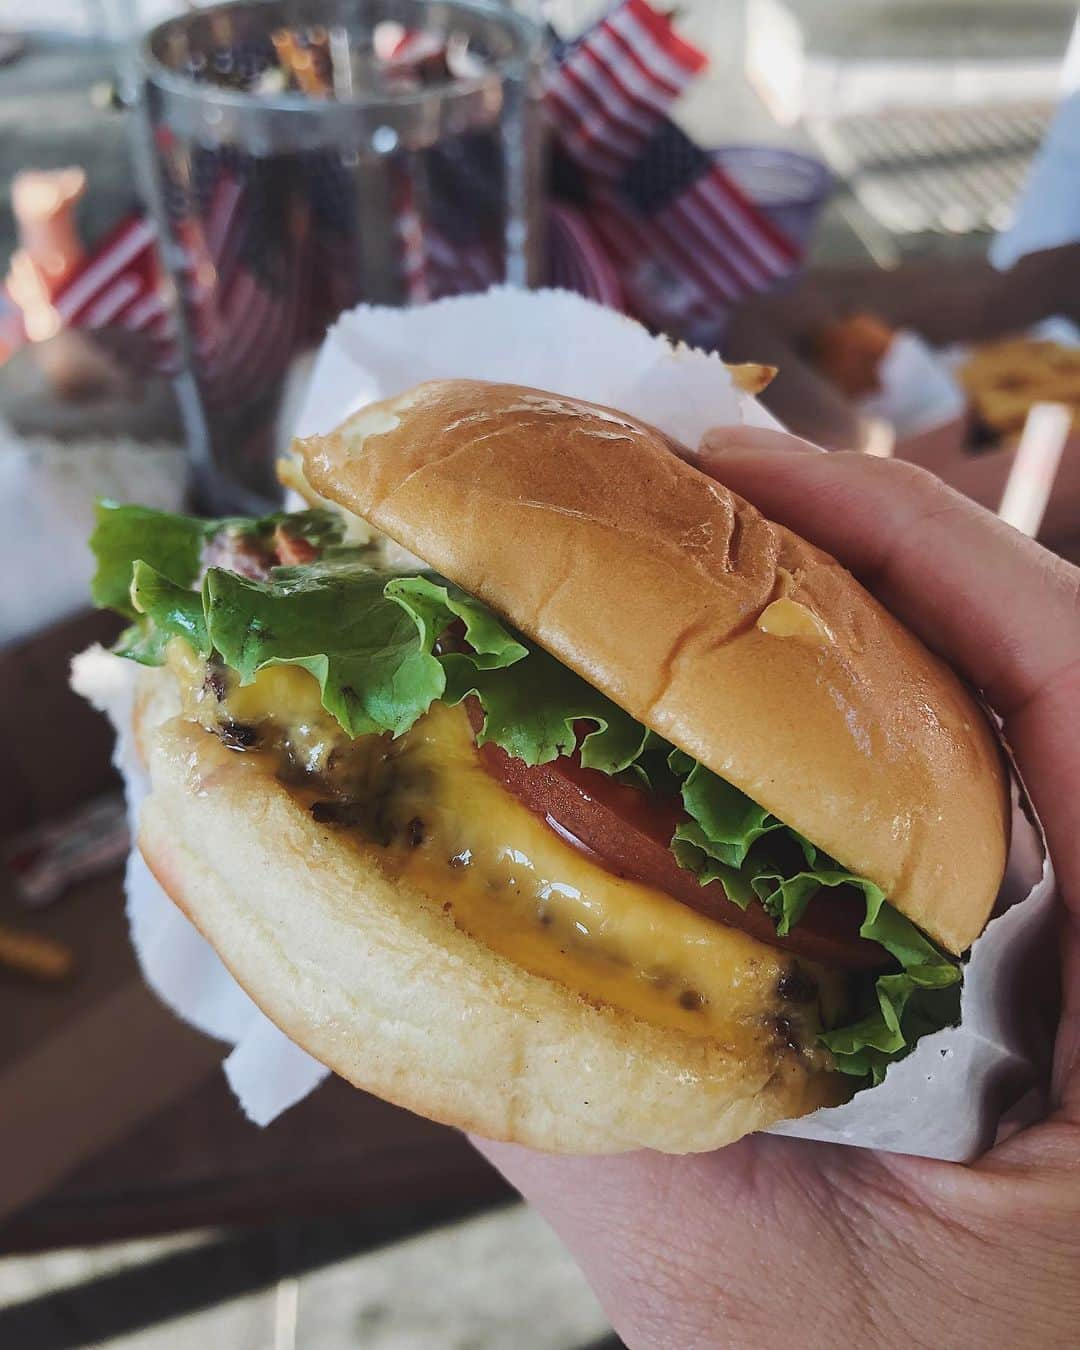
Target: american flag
119, 286
455, 247
244, 280
641, 219
451, 221
632, 58
577, 258
243, 302
660, 204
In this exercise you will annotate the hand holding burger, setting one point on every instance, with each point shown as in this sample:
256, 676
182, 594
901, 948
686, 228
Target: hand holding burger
779, 1242
621, 817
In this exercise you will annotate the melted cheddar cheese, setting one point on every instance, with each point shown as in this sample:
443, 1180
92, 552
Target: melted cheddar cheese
506, 878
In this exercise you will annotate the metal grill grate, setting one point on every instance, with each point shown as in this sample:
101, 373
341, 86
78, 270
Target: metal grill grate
956, 170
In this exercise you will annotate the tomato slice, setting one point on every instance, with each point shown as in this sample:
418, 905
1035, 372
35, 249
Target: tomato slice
628, 831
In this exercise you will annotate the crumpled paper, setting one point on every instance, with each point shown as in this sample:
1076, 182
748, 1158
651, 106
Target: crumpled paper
47, 492
945, 1099
917, 390
267, 1072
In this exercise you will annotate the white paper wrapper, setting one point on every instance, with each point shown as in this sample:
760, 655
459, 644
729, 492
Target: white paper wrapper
1047, 213
945, 1099
266, 1070
917, 391
47, 491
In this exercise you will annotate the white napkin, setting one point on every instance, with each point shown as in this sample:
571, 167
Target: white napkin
917, 390
1048, 212
47, 491
943, 1100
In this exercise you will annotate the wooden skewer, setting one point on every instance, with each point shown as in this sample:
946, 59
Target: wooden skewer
878, 437
34, 955
1034, 468
340, 63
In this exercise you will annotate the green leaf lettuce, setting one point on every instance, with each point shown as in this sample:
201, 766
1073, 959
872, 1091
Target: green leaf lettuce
384, 646
731, 839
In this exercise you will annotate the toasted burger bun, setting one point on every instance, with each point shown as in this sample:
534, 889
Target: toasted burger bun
744, 645
375, 980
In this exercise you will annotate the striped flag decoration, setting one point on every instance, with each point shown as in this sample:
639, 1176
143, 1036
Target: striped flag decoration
578, 260
462, 223
642, 220
119, 286
606, 95
694, 205
661, 205
244, 277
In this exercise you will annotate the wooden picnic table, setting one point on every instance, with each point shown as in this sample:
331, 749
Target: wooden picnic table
117, 1119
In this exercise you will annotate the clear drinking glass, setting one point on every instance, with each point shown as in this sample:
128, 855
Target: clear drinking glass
370, 179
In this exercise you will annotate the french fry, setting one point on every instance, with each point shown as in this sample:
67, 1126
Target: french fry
1005, 380
751, 377
35, 956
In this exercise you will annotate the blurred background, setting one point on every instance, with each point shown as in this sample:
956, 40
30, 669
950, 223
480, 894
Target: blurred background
880, 197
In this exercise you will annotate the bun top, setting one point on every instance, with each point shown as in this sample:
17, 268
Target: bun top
739, 642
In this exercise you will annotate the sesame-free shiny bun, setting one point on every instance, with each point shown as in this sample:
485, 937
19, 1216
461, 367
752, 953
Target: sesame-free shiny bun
741, 643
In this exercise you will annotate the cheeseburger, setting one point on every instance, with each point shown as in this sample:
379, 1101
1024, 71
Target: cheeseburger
612, 815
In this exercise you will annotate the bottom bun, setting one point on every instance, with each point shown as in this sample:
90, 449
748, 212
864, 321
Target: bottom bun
373, 979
